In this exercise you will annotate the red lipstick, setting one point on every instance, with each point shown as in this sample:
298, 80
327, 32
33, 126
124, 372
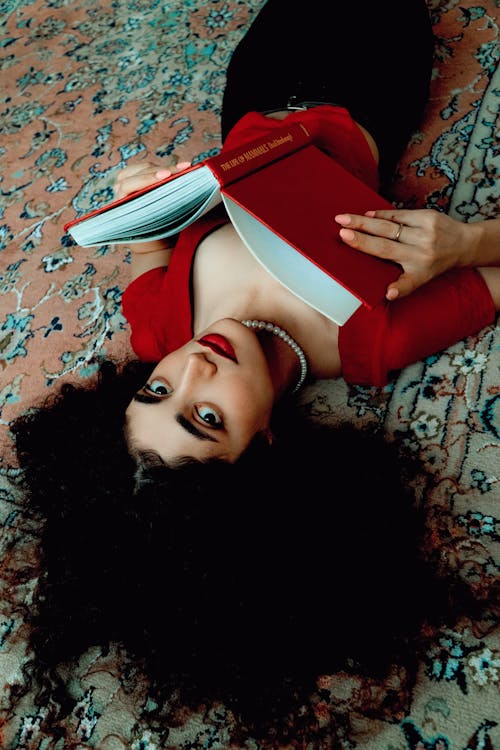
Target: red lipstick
218, 344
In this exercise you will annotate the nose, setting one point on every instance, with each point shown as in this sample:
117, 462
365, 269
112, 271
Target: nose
198, 366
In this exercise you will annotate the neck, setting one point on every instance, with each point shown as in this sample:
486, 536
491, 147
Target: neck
281, 335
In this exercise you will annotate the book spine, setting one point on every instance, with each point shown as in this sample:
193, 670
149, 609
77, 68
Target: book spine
231, 164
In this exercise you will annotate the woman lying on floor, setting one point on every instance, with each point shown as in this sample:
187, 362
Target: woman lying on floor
189, 512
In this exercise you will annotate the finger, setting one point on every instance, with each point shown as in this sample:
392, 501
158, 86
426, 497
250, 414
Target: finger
368, 219
407, 217
133, 169
392, 292
135, 172
139, 181
403, 286
131, 185
182, 165
162, 174
378, 227
383, 247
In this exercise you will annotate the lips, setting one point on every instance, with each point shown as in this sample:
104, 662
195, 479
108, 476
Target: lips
219, 345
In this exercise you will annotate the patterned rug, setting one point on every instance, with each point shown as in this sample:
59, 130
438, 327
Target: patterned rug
87, 87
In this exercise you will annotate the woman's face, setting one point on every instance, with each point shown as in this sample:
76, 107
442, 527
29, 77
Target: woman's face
207, 399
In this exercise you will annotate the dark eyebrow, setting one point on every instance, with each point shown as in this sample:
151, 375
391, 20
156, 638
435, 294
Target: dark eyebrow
146, 398
189, 427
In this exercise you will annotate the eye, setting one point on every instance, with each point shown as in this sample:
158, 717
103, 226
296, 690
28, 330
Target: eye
158, 387
209, 416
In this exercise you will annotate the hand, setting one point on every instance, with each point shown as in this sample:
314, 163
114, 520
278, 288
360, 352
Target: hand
424, 242
138, 176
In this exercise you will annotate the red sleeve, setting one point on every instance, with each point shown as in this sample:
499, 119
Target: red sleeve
142, 306
157, 304
375, 343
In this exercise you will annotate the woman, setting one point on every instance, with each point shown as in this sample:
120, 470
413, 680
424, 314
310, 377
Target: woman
213, 573
208, 322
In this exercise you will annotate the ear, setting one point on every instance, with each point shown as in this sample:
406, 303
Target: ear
268, 436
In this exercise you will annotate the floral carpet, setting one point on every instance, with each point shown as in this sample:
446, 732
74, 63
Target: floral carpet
87, 87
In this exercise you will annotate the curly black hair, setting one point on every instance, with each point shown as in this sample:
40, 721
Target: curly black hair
236, 583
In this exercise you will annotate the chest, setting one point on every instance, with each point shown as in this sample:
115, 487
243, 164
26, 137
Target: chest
225, 272
229, 282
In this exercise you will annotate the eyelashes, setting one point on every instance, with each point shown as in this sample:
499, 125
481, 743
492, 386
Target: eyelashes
158, 388
209, 416
204, 414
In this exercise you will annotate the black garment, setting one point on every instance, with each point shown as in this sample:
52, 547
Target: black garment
373, 57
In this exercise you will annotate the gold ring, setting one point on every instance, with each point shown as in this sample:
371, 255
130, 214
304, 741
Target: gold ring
398, 233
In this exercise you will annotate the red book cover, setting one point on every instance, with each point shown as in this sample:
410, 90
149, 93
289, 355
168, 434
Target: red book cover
296, 199
228, 165
281, 193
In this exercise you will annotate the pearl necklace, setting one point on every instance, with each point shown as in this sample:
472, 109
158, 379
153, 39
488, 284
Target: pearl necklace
262, 325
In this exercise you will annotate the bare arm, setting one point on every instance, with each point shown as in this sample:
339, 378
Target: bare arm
146, 255
429, 243
491, 275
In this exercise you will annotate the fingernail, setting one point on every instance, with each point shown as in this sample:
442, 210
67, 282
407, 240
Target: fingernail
343, 219
347, 234
370, 213
182, 165
162, 173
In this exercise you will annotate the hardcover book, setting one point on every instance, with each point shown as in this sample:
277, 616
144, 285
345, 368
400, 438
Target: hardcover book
281, 193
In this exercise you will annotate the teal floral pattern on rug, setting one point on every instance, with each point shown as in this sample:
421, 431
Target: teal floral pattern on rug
88, 88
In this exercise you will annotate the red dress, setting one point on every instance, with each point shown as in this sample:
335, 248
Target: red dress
373, 344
